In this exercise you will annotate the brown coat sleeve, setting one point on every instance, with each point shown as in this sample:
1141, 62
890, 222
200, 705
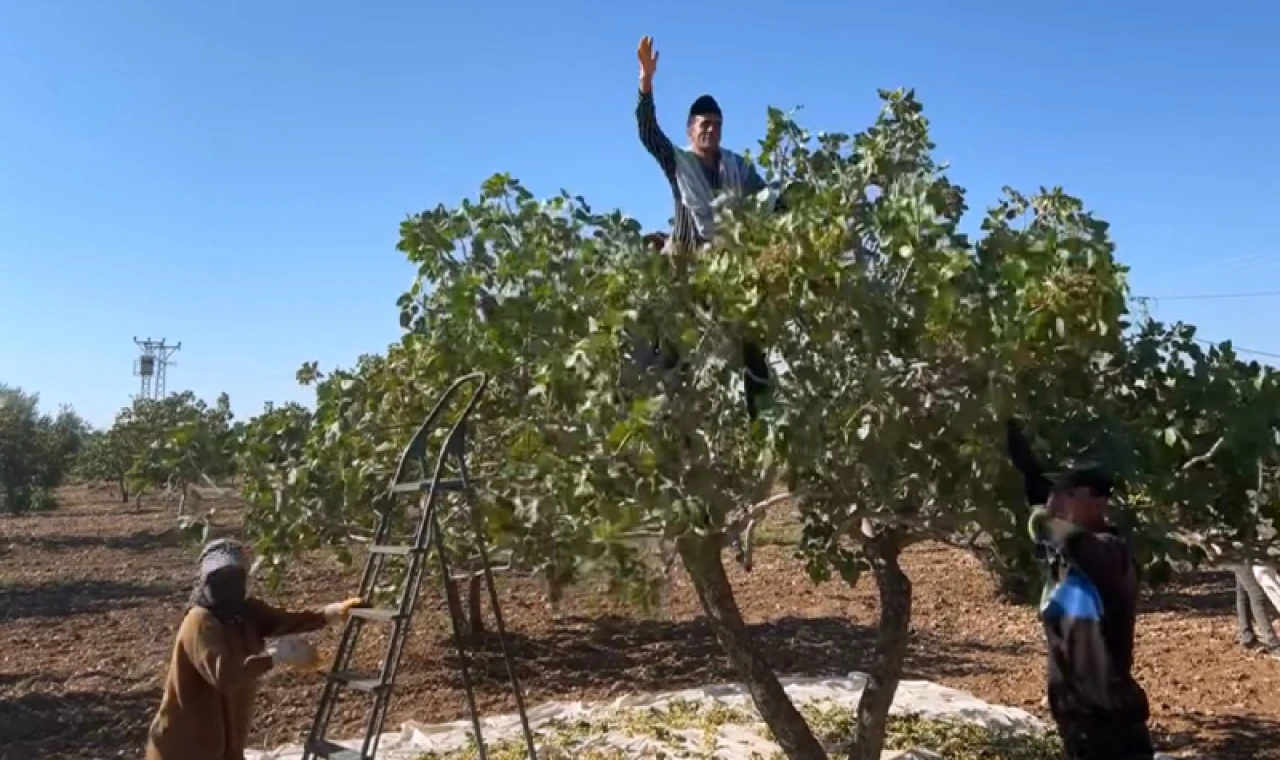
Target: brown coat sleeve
205, 643
273, 621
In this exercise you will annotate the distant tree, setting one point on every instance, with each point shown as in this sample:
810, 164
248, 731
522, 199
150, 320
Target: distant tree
107, 458
37, 451
177, 442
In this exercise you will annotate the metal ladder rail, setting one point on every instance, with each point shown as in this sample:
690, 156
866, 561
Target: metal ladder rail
317, 745
350, 634
429, 533
482, 549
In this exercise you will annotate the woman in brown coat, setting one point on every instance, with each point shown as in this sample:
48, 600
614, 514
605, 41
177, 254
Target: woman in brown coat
218, 657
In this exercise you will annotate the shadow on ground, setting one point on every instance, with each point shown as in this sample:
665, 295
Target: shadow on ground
78, 725
649, 655
143, 541
61, 598
1200, 593
23, 682
1225, 736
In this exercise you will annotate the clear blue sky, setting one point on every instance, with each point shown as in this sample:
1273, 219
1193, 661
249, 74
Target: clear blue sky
232, 174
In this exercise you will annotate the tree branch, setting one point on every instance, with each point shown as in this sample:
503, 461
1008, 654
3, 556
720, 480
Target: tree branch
741, 517
1205, 457
928, 527
466, 576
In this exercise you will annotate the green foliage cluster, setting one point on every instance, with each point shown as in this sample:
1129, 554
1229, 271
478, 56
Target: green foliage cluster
164, 444
37, 451
170, 443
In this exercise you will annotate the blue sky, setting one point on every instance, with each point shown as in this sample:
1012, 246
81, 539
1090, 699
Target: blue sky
232, 174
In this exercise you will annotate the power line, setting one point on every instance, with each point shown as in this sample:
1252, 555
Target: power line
1209, 296
1238, 349
1229, 264
238, 373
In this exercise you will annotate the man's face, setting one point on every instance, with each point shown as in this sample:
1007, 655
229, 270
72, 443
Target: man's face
704, 133
1078, 505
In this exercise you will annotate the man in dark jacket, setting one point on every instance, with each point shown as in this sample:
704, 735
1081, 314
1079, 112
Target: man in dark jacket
1088, 611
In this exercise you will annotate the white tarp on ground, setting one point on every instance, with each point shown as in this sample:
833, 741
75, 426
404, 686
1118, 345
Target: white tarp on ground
735, 742
1270, 582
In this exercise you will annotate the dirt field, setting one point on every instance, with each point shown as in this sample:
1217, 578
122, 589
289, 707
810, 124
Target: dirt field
91, 595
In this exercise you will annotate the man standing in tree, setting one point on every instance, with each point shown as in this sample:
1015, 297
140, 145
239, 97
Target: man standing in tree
1089, 612
698, 174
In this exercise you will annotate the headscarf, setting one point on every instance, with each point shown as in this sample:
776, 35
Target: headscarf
223, 576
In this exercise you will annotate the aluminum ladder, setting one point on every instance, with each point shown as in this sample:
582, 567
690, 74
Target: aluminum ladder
377, 686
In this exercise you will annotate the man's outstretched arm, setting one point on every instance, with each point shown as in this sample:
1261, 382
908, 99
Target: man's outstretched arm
1034, 482
651, 135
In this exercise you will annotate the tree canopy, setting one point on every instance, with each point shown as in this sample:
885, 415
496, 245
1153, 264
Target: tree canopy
37, 450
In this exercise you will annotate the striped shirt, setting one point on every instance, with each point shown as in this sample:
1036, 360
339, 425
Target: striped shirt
684, 231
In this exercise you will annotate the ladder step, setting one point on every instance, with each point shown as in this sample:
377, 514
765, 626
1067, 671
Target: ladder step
357, 681
396, 550
375, 614
327, 749
425, 485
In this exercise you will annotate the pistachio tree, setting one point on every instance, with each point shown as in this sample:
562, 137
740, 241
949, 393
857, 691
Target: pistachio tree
615, 423
1202, 438
106, 459
37, 450
899, 349
174, 443
1190, 431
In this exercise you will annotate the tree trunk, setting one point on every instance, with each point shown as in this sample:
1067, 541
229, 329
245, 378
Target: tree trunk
475, 609
124, 491
891, 647
701, 559
455, 605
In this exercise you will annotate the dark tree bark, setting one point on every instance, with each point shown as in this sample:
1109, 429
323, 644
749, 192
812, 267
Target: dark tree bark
452, 598
891, 646
701, 558
124, 490
475, 608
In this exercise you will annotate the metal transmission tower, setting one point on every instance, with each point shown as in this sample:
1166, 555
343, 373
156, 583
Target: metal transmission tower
152, 364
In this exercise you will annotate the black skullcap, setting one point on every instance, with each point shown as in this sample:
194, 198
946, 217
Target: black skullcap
705, 105
1089, 476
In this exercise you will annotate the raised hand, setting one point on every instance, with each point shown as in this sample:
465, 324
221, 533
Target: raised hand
648, 60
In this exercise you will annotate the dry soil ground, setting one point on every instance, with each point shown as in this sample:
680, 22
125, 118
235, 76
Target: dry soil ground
91, 595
